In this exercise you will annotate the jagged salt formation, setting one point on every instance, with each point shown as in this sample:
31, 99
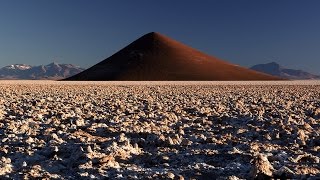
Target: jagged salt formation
105, 130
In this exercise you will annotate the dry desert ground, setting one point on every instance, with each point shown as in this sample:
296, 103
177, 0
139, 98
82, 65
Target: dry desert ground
159, 130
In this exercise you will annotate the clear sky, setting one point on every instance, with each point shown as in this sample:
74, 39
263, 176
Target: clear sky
84, 32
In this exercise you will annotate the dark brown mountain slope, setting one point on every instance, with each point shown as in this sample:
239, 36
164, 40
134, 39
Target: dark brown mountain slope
156, 57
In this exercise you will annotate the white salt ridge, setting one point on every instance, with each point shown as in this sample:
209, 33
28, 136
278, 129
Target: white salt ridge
158, 130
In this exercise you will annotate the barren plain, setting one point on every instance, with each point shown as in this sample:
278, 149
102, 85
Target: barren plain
159, 130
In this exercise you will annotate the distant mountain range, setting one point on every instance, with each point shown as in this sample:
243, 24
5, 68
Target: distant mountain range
275, 69
53, 71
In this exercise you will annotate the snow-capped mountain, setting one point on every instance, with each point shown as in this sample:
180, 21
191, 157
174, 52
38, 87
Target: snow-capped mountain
18, 67
275, 69
52, 71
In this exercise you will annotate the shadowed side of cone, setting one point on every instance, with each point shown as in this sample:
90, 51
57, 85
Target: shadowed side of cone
155, 57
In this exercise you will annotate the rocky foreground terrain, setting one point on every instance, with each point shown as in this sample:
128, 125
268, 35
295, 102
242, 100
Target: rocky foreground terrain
123, 130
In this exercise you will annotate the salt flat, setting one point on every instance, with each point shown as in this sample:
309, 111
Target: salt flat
173, 130
49, 82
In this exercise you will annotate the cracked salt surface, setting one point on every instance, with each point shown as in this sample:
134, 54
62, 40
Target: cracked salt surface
173, 130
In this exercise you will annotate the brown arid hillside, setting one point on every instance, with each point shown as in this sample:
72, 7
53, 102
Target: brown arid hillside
155, 57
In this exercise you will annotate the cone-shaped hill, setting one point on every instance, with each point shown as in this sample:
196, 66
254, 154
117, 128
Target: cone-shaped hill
155, 57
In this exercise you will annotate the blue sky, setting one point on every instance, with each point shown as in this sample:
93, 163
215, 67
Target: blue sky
84, 32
